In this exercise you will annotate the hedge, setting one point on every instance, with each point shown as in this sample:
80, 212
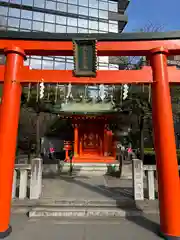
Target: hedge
149, 156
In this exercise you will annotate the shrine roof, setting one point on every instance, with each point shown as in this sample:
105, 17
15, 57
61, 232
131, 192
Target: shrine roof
83, 116
85, 109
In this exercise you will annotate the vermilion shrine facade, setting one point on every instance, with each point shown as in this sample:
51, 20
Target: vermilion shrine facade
93, 141
156, 46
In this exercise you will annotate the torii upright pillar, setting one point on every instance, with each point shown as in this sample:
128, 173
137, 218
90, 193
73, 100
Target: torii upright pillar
165, 147
9, 119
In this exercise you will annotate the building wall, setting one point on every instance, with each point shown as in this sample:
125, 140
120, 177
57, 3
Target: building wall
63, 16
174, 61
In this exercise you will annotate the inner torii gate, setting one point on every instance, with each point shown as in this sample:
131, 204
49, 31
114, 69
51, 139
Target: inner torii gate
156, 46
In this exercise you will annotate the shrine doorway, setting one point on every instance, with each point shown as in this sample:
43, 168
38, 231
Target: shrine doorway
90, 139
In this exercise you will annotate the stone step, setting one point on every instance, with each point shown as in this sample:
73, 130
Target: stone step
116, 202
78, 169
89, 169
88, 212
84, 208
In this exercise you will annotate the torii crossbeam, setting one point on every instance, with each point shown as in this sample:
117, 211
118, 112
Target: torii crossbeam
156, 46
103, 76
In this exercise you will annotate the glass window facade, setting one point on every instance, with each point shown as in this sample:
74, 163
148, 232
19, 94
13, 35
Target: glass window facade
59, 16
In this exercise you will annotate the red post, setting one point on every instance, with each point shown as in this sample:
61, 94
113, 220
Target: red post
81, 146
67, 155
105, 142
75, 140
9, 119
113, 144
101, 146
165, 147
67, 148
110, 141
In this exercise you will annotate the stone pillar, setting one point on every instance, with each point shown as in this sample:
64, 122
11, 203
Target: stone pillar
138, 185
36, 178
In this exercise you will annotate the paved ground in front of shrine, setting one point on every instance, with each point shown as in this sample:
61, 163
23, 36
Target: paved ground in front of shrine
87, 188
132, 228
96, 189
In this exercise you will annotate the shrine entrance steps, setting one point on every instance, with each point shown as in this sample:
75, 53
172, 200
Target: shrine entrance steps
90, 169
79, 169
74, 195
79, 197
94, 159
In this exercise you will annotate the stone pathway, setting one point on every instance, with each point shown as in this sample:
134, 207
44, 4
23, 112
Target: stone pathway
96, 187
85, 196
144, 227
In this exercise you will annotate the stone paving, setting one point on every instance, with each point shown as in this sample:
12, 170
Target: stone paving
93, 189
103, 192
144, 227
96, 187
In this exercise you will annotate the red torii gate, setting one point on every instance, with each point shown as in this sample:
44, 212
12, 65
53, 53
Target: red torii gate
157, 46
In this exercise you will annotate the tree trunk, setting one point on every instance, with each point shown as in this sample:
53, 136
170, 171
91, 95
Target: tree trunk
38, 145
150, 131
141, 129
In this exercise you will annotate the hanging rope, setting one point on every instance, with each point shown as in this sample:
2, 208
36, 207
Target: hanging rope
102, 94
37, 92
41, 91
48, 92
69, 92
56, 93
86, 92
29, 92
112, 95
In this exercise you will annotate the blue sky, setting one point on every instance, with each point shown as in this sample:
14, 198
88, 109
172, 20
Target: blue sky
158, 12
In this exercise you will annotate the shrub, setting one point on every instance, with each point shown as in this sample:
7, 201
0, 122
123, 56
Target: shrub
149, 156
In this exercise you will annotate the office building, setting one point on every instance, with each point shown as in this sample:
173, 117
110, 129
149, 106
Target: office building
64, 16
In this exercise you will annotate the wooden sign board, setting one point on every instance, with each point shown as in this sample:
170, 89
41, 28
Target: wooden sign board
85, 57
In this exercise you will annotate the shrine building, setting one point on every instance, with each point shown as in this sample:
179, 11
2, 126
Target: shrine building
93, 141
